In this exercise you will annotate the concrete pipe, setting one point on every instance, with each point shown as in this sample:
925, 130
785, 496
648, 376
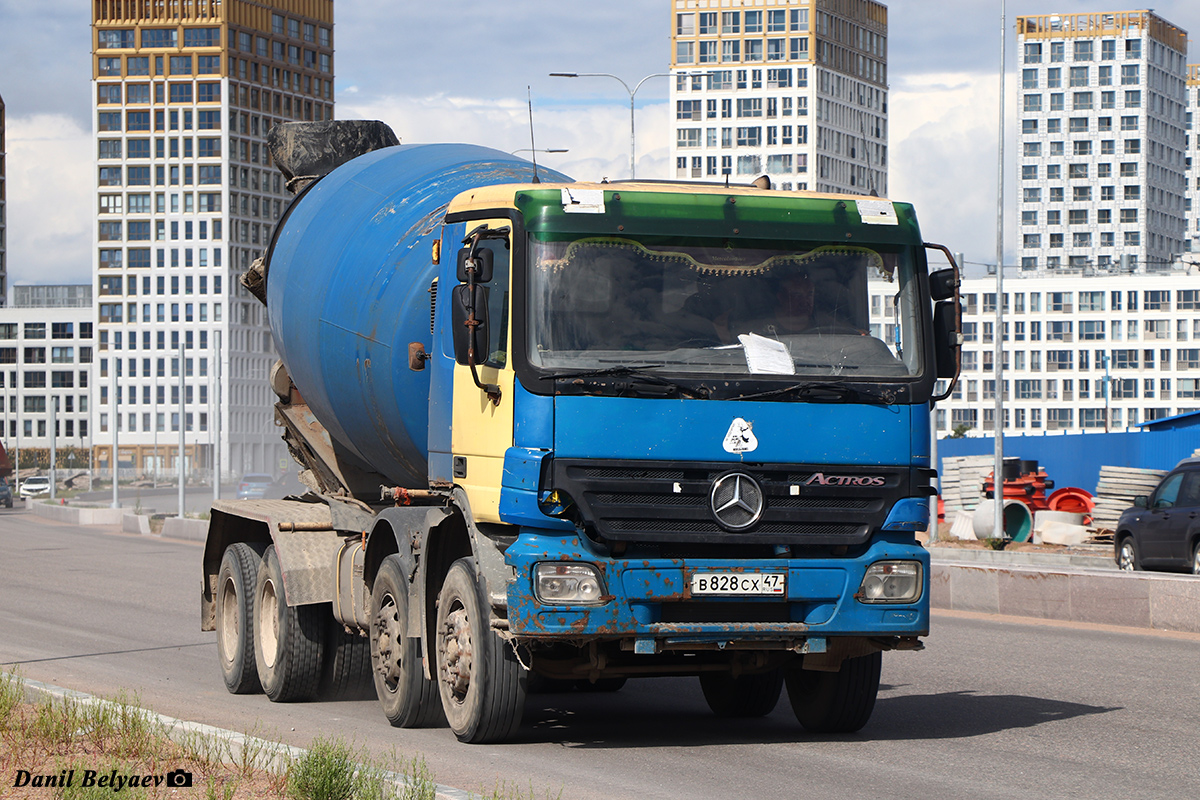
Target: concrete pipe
1018, 522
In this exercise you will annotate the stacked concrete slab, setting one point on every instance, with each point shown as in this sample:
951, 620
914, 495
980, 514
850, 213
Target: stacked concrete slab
1116, 490
962, 482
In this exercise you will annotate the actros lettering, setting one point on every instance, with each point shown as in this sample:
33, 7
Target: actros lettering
821, 479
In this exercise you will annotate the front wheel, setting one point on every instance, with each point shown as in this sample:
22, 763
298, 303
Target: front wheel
836, 702
481, 683
743, 696
408, 699
1127, 555
1196, 559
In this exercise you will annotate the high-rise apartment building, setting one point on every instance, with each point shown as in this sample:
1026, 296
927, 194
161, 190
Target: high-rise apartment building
1081, 355
3, 215
794, 89
186, 197
1192, 204
1101, 166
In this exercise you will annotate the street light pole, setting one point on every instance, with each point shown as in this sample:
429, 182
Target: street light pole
53, 447
632, 93
216, 423
114, 422
182, 432
998, 368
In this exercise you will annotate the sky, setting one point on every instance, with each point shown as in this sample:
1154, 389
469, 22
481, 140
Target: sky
459, 71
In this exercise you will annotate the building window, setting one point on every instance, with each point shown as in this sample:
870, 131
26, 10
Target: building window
160, 37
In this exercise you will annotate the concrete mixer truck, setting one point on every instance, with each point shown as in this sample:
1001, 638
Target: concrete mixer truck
577, 433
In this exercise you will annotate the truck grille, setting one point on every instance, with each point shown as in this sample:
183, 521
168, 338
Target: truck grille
657, 502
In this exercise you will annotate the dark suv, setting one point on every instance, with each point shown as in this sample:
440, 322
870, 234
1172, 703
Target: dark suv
1162, 531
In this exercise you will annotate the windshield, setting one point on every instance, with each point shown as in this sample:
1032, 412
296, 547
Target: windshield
721, 308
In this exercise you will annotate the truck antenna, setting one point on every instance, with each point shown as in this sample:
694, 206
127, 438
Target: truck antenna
532, 146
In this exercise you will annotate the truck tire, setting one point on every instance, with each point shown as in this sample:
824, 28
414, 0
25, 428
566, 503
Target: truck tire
289, 641
836, 702
235, 617
347, 674
743, 696
409, 700
479, 678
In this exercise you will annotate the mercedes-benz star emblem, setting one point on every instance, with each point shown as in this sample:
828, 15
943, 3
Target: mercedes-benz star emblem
736, 501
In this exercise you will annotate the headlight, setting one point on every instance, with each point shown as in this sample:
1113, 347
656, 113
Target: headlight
891, 582
556, 583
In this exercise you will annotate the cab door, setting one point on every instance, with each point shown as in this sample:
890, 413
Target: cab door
482, 430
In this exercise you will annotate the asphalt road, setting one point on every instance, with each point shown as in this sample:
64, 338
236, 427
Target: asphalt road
994, 708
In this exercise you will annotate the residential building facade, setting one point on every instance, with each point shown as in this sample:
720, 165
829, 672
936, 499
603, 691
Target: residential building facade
186, 197
1081, 354
1102, 139
793, 89
47, 350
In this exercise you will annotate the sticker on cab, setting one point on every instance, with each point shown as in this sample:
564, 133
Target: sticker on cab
582, 201
740, 437
877, 212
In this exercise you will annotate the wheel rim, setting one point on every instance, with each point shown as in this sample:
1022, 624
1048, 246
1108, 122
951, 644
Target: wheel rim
230, 619
1126, 560
389, 638
268, 623
1196, 560
457, 652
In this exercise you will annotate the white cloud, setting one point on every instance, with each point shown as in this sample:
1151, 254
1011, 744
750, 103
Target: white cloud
49, 163
942, 158
597, 137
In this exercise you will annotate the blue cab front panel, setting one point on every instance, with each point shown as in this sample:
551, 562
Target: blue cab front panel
820, 590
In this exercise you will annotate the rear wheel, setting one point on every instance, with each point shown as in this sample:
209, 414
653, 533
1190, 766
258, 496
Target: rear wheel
408, 699
836, 702
481, 683
1196, 559
347, 673
1127, 555
743, 696
235, 617
289, 641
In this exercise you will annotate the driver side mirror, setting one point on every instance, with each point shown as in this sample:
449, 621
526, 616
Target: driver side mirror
464, 298
484, 259
1141, 501
946, 342
942, 284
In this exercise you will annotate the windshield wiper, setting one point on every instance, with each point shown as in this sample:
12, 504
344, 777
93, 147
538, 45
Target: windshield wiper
623, 369
638, 373
822, 393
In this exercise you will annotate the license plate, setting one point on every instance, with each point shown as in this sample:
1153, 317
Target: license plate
739, 583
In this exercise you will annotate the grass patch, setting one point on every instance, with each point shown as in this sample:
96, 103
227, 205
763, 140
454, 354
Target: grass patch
90, 740
332, 770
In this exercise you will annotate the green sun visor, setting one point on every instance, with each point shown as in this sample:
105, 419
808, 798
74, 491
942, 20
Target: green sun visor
711, 213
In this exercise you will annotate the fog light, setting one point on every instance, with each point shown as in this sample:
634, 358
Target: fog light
556, 583
891, 582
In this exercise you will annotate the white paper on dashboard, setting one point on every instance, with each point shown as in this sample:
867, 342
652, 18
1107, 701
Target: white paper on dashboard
766, 356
